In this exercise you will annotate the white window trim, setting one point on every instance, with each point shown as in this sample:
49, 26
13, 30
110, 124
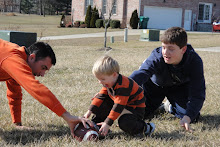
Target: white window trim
105, 7
116, 5
210, 13
88, 5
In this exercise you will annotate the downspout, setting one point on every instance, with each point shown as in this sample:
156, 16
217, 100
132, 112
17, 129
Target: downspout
139, 11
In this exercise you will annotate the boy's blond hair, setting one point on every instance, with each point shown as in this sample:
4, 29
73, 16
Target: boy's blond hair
105, 65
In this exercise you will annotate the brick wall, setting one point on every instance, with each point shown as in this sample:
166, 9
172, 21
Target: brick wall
123, 6
185, 5
78, 7
126, 7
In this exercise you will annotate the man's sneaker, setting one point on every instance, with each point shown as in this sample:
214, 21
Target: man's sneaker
150, 127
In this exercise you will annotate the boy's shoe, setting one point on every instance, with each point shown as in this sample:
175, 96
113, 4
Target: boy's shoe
150, 127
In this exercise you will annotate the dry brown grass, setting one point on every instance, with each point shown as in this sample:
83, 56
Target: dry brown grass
71, 80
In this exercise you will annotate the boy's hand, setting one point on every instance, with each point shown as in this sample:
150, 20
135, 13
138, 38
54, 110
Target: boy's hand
185, 122
88, 113
104, 128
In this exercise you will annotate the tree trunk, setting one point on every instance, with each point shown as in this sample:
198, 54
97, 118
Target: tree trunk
105, 38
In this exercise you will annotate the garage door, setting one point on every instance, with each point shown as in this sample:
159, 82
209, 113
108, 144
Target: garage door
163, 17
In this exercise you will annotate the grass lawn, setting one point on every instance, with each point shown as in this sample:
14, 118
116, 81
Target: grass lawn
43, 26
71, 80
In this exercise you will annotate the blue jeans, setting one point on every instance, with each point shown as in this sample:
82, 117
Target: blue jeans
177, 96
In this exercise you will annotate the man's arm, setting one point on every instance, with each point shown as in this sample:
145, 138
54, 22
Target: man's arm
19, 70
14, 96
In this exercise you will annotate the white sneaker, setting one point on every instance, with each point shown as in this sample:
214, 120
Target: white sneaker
150, 127
165, 107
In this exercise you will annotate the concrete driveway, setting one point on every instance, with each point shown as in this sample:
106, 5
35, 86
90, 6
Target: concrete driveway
122, 33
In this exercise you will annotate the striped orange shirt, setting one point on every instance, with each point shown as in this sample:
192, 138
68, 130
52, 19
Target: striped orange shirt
125, 93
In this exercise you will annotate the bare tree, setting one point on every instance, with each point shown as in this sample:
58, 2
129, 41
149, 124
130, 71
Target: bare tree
109, 8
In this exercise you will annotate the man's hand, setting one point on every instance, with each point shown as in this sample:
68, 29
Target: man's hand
72, 121
19, 126
104, 128
185, 123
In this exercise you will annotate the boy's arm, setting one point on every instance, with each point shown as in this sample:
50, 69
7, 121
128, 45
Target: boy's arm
147, 68
119, 105
98, 99
196, 89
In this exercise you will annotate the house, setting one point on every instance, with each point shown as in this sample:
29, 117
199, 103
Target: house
190, 14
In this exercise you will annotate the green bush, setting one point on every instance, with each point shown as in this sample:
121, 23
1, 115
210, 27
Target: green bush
106, 22
134, 20
76, 24
99, 23
95, 16
88, 16
115, 24
82, 22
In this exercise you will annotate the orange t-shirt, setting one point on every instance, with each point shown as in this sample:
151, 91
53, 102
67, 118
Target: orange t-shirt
16, 72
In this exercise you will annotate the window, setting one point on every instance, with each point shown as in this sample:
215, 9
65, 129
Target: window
114, 7
104, 6
87, 3
205, 12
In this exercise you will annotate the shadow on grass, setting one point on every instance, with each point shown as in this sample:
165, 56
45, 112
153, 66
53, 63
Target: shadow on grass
24, 137
175, 135
210, 121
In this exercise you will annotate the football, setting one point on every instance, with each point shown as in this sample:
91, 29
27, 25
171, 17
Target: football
86, 134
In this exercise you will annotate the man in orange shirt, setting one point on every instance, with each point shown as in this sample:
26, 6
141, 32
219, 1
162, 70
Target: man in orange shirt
18, 67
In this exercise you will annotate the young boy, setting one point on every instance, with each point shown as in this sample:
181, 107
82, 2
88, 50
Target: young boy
120, 97
174, 71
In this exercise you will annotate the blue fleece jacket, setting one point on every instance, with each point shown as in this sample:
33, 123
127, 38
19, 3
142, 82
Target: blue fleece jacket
189, 70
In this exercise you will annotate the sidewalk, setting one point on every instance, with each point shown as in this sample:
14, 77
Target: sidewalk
209, 49
117, 33
122, 33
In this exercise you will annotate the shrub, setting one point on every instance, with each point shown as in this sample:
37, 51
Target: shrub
69, 25
95, 16
63, 21
83, 26
134, 20
106, 22
115, 24
76, 24
99, 23
82, 22
88, 16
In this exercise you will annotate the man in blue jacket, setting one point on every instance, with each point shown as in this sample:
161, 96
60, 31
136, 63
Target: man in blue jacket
174, 71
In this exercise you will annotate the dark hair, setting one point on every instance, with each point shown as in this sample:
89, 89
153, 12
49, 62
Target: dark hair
175, 35
41, 50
